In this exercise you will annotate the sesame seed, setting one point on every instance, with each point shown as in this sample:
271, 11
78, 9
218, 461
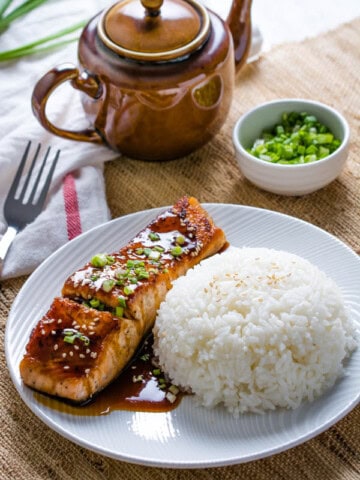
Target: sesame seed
56, 346
93, 354
53, 332
76, 347
87, 371
64, 355
88, 350
42, 332
66, 367
81, 355
71, 353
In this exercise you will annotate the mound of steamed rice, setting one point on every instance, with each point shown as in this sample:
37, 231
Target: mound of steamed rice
253, 329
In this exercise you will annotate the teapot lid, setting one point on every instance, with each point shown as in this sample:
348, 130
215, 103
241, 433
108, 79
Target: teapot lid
163, 31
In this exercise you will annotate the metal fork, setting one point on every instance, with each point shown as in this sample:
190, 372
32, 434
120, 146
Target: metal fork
18, 212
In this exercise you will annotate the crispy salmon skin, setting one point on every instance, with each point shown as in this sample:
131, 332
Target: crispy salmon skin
107, 307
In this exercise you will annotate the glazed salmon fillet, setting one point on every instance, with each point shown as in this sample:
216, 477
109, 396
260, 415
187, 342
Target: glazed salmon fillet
174, 242
75, 351
107, 307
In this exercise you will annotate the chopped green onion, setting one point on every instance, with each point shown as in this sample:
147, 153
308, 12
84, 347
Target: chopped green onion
174, 389
128, 290
69, 339
119, 273
69, 331
171, 397
154, 255
99, 260
119, 311
84, 339
110, 259
108, 285
156, 372
139, 263
180, 240
139, 251
122, 302
154, 236
71, 335
176, 251
143, 275
298, 138
94, 302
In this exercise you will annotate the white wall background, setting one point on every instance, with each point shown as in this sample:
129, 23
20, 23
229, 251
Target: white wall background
291, 20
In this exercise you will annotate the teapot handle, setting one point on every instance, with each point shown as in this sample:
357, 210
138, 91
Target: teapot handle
48, 83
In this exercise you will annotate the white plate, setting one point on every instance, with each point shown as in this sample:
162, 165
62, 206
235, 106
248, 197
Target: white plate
191, 436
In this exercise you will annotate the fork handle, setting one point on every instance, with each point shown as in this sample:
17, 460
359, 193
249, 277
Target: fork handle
5, 243
85, 82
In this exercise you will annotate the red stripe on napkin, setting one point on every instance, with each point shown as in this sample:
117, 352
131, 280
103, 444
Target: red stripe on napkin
73, 222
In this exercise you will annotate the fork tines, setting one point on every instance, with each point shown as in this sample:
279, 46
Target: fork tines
18, 176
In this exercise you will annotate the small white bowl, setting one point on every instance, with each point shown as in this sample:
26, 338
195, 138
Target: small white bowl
289, 179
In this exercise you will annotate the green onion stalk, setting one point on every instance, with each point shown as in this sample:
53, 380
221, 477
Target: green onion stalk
44, 44
22, 9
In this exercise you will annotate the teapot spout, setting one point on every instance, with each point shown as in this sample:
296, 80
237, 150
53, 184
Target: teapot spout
239, 22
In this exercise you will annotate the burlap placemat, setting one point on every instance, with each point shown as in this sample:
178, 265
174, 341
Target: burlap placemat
325, 69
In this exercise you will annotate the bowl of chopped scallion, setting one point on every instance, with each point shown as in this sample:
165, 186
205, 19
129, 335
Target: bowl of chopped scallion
291, 146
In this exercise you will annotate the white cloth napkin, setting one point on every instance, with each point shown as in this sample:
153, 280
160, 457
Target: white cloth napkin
76, 201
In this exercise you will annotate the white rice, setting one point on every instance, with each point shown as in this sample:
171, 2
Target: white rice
254, 329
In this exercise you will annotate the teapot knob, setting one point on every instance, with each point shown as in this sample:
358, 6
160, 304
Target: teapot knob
152, 7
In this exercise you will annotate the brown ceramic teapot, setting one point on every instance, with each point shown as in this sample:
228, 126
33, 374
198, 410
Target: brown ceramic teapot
156, 76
